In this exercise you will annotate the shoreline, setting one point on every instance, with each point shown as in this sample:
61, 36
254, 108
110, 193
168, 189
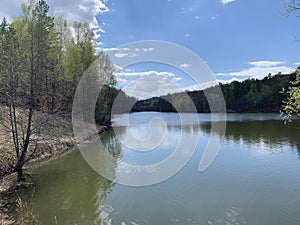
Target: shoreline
9, 184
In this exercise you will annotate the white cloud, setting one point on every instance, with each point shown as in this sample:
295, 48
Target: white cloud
221, 74
75, 10
121, 54
260, 69
231, 80
121, 80
154, 73
127, 52
147, 49
185, 65
152, 86
78, 10
226, 1
261, 72
117, 67
147, 84
202, 86
266, 63
116, 49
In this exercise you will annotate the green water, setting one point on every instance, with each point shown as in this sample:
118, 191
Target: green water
254, 180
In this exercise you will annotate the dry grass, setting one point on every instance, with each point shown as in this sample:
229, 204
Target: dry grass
54, 134
54, 138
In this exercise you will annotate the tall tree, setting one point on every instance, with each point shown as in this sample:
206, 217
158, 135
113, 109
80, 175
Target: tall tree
24, 60
10, 81
292, 104
60, 37
41, 63
80, 54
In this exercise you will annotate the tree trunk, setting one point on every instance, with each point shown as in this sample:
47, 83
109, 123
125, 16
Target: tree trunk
19, 170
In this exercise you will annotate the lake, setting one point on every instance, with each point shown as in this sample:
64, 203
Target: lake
255, 178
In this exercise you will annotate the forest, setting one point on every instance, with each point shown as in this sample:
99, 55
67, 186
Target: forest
249, 96
42, 60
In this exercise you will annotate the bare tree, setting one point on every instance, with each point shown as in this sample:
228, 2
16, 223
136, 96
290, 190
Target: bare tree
24, 63
291, 6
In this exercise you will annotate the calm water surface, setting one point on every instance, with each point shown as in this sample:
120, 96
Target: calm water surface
254, 180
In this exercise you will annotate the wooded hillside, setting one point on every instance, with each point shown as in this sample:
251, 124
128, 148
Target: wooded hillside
251, 95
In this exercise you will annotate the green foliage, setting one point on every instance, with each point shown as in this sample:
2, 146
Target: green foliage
292, 104
105, 106
41, 64
251, 95
39, 48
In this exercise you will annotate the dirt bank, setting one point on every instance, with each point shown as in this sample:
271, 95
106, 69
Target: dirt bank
57, 139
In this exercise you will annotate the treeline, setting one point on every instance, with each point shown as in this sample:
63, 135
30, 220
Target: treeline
112, 101
43, 58
251, 95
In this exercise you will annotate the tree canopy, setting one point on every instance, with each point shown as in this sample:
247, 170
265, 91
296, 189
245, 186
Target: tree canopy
251, 95
292, 104
41, 63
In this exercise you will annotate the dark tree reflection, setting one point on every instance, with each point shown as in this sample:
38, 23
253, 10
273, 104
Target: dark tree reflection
270, 132
70, 190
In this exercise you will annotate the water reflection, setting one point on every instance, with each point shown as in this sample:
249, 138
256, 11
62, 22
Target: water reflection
186, 128
71, 191
154, 152
269, 134
239, 188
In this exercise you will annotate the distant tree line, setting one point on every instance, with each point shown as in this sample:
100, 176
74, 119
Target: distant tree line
251, 95
116, 102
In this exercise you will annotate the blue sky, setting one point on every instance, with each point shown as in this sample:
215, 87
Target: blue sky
237, 39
